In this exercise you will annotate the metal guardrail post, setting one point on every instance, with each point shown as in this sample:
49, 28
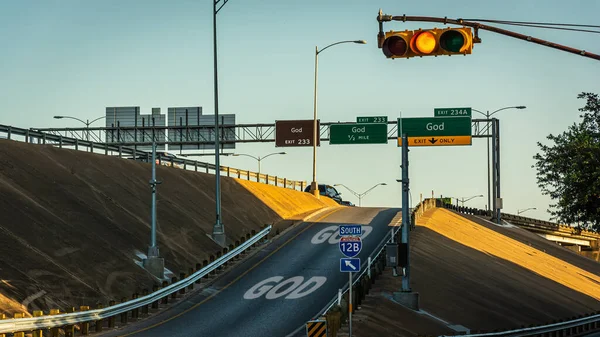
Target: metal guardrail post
98, 323
38, 332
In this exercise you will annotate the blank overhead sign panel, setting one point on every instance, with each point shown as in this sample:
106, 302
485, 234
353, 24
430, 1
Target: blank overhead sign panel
188, 124
295, 133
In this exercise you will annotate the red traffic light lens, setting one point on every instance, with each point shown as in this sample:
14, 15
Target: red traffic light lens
452, 41
423, 43
394, 46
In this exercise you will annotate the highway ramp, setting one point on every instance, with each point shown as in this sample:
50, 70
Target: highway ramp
247, 300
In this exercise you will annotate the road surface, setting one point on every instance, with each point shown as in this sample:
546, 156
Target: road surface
274, 292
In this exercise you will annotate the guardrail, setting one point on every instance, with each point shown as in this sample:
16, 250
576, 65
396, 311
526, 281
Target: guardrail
32, 136
38, 323
575, 327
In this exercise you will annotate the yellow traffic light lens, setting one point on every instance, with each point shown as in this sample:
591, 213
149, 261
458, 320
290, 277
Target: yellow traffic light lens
394, 46
423, 42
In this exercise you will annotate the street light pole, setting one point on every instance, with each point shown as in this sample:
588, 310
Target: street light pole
259, 158
360, 195
218, 233
525, 210
86, 122
313, 186
487, 115
463, 200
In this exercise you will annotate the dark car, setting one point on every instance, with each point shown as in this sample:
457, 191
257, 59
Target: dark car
328, 191
347, 203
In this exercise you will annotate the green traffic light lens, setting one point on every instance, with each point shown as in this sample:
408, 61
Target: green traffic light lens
394, 46
452, 41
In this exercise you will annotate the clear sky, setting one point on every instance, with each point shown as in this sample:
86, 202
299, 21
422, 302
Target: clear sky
78, 57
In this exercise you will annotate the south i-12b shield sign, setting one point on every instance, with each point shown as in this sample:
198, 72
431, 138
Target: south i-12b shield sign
350, 245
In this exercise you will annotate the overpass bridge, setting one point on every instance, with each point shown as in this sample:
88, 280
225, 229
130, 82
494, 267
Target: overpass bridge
572, 237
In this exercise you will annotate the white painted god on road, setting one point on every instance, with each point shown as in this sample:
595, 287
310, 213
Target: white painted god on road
294, 287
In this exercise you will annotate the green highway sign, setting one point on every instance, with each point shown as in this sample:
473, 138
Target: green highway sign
434, 126
435, 131
452, 112
354, 133
372, 119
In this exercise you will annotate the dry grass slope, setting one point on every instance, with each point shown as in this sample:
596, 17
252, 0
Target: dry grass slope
72, 222
287, 203
482, 276
488, 241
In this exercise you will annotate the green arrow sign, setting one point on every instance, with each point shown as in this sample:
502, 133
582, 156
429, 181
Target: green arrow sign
434, 126
372, 119
452, 112
352, 133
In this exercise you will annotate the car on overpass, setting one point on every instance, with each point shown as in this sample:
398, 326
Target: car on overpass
328, 191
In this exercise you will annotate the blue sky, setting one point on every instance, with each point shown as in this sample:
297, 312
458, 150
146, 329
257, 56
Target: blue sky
78, 57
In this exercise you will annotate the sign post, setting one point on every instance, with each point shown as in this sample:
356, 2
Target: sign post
350, 245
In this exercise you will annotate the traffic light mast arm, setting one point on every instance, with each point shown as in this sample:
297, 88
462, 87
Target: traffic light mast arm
476, 25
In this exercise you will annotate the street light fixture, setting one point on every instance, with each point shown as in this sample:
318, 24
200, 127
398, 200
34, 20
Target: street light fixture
487, 115
360, 195
86, 122
463, 200
525, 210
259, 158
313, 186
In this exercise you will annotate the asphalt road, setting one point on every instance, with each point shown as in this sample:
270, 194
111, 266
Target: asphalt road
274, 292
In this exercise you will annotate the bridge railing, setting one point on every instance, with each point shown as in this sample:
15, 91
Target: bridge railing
37, 137
97, 315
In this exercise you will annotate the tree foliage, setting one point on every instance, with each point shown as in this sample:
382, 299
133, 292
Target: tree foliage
568, 170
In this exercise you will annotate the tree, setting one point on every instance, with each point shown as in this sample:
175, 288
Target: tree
569, 170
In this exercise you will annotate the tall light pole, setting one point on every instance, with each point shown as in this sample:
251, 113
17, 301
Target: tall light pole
360, 195
487, 115
313, 186
259, 158
86, 122
218, 233
463, 200
525, 210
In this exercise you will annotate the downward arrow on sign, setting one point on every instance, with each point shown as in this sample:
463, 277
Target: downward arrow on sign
432, 140
349, 264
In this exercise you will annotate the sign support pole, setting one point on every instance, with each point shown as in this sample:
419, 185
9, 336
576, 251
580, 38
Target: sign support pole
154, 264
153, 250
494, 172
405, 214
350, 305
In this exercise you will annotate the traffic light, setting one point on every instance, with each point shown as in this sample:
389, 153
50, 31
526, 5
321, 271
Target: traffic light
430, 42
